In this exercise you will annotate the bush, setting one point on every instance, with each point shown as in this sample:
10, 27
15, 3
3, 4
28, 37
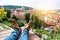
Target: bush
2, 14
14, 17
8, 13
21, 24
9, 24
38, 22
27, 17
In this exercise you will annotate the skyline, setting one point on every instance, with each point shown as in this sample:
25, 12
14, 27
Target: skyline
37, 4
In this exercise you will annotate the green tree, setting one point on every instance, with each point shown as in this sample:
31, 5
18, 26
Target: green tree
8, 13
27, 17
38, 22
2, 14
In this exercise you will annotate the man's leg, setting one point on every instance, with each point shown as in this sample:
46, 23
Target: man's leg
16, 33
24, 35
13, 36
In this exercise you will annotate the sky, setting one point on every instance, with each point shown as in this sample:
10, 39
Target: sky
37, 4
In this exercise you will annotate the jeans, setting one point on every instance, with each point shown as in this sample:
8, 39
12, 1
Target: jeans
14, 35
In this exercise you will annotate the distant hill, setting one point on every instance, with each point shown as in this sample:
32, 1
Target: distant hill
14, 7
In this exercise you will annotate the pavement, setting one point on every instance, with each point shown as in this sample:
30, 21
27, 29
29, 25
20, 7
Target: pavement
5, 33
